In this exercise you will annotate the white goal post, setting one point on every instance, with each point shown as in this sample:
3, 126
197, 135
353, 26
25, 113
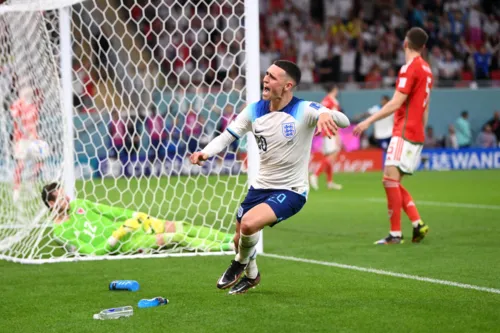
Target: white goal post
120, 93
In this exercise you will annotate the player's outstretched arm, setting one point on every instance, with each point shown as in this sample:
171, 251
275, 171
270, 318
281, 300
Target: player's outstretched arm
234, 131
340, 119
389, 108
324, 119
213, 148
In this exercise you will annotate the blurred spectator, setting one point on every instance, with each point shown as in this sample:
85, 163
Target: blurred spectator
328, 68
132, 137
494, 123
430, 140
192, 131
347, 61
155, 125
451, 140
474, 26
118, 132
457, 25
463, 128
389, 80
449, 68
491, 26
267, 56
434, 61
84, 88
368, 61
373, 79
486, 139
482, 61
306, 66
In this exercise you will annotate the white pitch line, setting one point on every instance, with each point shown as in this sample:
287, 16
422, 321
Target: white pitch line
386, 273
444, 204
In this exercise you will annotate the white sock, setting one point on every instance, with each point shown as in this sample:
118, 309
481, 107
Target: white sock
251, 270
396, 233
246, 247
415, 223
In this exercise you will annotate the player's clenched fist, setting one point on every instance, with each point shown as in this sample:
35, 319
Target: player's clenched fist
198, 158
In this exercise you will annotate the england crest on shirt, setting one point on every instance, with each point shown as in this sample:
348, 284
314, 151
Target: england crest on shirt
288, 130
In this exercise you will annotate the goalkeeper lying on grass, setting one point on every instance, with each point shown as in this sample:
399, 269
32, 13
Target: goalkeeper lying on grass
97, 229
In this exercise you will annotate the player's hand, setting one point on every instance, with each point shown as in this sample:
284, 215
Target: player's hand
198, 158
326, 124
361, 127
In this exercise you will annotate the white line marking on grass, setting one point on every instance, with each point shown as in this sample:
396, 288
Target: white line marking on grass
386, 273
444, 204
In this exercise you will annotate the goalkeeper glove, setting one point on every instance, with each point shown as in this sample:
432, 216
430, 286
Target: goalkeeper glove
153, 225
129, 225
150, 224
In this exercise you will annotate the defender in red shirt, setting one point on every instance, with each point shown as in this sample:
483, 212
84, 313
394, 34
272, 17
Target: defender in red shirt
411, 106
26, 142
330, 147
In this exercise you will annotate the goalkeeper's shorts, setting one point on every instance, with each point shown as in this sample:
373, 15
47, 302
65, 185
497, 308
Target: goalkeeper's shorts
284, 203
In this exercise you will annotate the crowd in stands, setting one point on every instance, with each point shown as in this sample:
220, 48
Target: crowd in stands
355, 43
460, 134
361, 41
349, 41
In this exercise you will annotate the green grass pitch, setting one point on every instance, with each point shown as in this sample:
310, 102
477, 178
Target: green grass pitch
335, 226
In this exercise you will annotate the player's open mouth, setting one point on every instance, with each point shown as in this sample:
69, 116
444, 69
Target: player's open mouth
266, 90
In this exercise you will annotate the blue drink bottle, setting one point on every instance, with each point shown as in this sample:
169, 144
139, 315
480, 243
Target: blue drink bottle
149, 303
130, 285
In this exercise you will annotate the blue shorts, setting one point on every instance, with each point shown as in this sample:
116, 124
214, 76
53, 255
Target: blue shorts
284, 203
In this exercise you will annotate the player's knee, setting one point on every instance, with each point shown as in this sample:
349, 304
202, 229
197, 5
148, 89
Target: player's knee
247, 225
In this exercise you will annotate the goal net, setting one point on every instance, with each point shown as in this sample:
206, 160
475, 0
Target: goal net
103, 102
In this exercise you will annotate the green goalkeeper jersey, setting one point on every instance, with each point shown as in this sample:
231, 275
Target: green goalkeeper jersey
90, 225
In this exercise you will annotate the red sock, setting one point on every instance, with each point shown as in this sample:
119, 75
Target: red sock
329, 171
321, 167
408, 205
394, 202
17, 175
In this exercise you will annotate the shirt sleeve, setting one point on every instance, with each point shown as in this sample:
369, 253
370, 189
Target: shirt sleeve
219, 143
406, 79
313, 110
242, 124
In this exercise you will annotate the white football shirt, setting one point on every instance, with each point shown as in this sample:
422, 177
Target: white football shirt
382, 129
284, 140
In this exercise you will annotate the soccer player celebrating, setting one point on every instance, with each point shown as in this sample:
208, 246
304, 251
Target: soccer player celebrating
283, 126
96, 229
331, 147
411, 104
25, 115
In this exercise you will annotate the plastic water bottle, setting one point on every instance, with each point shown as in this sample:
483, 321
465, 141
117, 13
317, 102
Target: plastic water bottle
149, 303
130, 285
115, 313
